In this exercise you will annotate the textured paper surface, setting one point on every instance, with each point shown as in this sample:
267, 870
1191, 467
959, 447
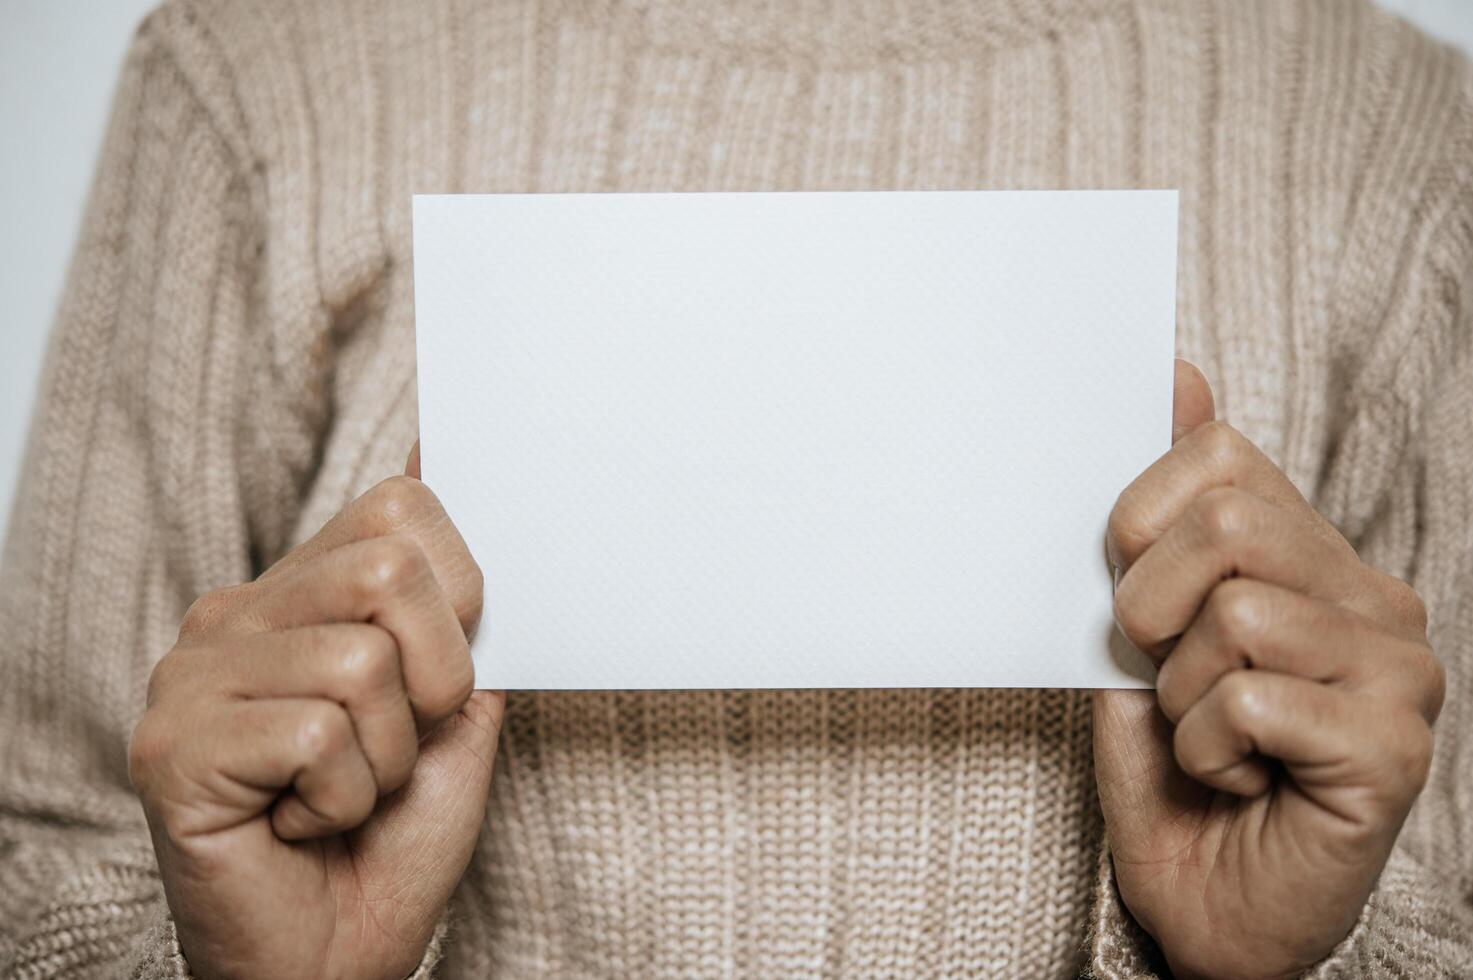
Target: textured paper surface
794, 440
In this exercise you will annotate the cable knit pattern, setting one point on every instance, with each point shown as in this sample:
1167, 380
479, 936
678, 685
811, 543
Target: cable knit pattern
233, 361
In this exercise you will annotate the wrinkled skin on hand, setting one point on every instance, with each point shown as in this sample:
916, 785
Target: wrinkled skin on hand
1252, 800
313, 763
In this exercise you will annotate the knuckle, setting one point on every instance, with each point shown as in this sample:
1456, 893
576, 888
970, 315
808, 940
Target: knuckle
1408, 603
400, 501
1434, 681
1242, 702
1170, 694
1130, 617
323, 732
475, 597
1419, 757
370, 662
465, 680
1223, 445
1237, 610
148, 747
394, 562
1409, 759
1185, 748
1128, 528
1417, 612
211, 610
164, 676
1224, 515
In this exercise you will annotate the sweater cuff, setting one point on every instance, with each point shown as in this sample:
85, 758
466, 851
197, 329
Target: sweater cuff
162, 958
1409, 927
1412, 926
434, 950
1119, 949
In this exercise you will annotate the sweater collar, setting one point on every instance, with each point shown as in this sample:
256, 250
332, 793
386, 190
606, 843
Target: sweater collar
850, 30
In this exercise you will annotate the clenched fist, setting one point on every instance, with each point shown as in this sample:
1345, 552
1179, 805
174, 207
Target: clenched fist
1252, 801
312, 762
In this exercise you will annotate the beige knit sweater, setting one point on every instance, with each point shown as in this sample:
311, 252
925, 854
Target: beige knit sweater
234, 360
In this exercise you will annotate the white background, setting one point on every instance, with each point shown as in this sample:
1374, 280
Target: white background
58, 62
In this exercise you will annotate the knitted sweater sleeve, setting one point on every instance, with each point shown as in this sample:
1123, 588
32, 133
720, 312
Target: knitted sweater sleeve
167, 457
1400, 485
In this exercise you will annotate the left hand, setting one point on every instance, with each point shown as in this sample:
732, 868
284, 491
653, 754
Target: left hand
1252, 800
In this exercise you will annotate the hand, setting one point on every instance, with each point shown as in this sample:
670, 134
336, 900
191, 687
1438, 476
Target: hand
312, 762
1251, 802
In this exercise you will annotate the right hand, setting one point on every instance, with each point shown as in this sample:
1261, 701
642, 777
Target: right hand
313, 763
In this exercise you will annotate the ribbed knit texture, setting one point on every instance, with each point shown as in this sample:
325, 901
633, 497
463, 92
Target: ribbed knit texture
233, 361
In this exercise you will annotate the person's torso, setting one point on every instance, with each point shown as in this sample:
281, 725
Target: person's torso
765, 833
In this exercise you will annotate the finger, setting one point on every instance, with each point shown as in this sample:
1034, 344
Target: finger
333, 788
386, 581
354, 664
1324, 736
401, 505
1211, 455
411, 466
1191, 403
1246, 624
1227, 532
221, 773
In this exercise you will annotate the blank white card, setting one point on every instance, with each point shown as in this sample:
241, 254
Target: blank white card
781, 440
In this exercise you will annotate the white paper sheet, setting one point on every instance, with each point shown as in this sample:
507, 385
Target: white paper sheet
791, 439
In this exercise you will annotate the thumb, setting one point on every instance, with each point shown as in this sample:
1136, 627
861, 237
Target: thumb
1191, 404
455, 761
452, 778
423, 835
